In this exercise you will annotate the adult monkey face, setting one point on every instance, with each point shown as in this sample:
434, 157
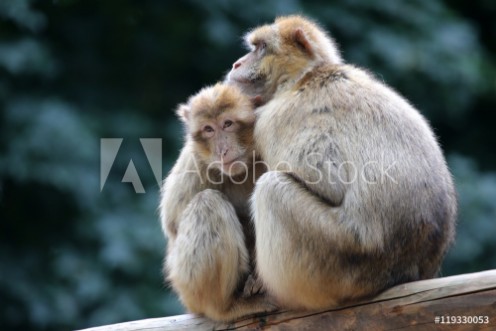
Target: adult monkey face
278, 55
251, 76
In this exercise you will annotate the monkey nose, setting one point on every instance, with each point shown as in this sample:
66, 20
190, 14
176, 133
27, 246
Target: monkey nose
236, 65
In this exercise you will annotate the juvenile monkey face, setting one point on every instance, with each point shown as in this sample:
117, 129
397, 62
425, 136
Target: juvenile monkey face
225, 142
220, 120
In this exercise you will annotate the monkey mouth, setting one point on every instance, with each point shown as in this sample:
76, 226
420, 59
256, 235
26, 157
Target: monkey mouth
227, 163
234, 165
238, 80
256, 80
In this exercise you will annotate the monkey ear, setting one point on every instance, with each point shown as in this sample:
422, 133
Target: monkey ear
183, 112
301, 40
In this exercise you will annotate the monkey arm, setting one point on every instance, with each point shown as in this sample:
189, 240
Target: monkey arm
208, 259
322, 182
318, 167
179, 188
304, 146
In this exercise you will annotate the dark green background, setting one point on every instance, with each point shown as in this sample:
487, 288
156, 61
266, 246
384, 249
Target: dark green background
73, 72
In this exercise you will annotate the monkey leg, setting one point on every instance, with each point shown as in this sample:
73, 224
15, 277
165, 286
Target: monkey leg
298, 239
209, 258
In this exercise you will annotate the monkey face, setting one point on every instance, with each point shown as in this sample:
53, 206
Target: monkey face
249, 75
278, 54
220, 121
225, 143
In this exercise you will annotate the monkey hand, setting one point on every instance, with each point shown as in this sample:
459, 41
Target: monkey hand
253, 286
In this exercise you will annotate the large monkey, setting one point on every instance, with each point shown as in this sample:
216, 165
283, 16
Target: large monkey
364, 200
205, 206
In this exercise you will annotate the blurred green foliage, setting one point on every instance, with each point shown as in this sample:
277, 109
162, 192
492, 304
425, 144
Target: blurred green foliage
73, 72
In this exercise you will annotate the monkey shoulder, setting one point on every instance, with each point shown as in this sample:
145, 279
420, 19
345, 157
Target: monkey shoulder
186, 178
189, 165
321, 77
330, 88
354, 93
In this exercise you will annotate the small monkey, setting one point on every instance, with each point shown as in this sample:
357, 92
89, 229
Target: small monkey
363, 199
204, 206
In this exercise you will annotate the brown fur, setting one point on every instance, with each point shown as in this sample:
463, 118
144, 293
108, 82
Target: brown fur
205, 212
323, 235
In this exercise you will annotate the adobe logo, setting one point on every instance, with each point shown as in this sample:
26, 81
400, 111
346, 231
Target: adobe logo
109, 147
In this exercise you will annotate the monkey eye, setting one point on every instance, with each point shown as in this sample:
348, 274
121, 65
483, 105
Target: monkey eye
228, 123
208, 128
259, 46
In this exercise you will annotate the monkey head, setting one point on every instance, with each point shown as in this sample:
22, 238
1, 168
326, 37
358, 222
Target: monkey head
220, 120
279, 54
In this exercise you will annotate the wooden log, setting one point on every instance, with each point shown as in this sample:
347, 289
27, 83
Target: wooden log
463, 302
